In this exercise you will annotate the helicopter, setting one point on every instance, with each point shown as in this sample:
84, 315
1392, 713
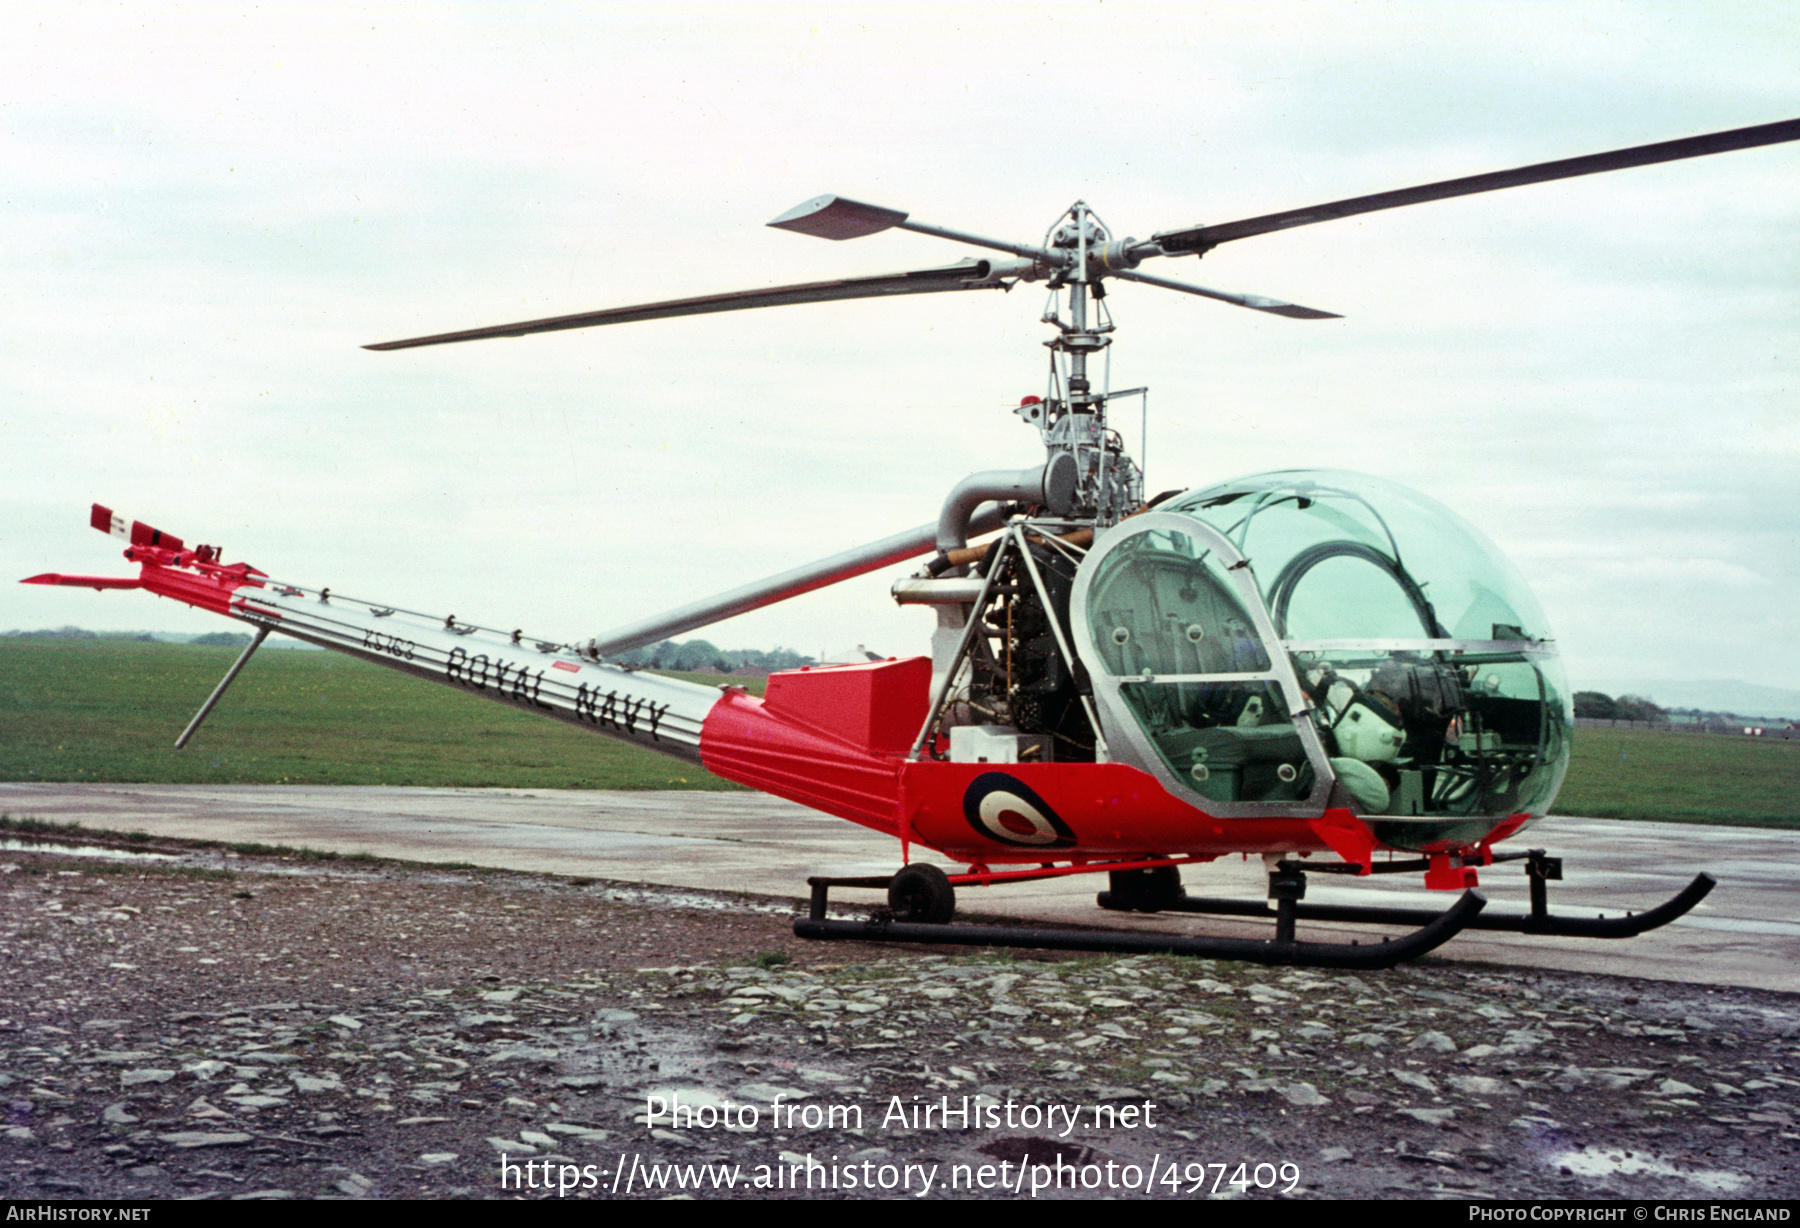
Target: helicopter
1323, 669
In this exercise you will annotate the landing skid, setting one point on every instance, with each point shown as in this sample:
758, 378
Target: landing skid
1287, 885
922, 902
1383, 954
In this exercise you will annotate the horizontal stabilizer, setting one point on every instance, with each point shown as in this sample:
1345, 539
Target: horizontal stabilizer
94, 582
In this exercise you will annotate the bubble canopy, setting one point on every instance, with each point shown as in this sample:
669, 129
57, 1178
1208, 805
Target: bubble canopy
1288, 641
1348, 555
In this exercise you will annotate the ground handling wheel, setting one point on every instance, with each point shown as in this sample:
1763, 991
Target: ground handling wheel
1148, 890
922, 894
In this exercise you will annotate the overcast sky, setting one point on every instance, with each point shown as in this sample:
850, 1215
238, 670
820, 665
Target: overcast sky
208, 210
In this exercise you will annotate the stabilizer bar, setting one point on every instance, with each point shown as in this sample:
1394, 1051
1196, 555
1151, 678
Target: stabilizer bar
1383, 954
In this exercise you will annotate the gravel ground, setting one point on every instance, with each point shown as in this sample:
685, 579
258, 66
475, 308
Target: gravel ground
268, 1026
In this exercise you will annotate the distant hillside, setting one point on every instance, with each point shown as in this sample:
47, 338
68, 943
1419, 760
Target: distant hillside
1711, 695
79, 633
689, 655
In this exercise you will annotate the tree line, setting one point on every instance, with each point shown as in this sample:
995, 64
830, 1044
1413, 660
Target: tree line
700, 654
1595, 705
667, 654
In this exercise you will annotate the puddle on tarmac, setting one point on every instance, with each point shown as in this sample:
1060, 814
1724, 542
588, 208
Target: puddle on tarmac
674, 897
14, 845
1610, 1162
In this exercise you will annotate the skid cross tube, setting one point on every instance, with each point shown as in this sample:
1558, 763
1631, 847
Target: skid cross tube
981, 876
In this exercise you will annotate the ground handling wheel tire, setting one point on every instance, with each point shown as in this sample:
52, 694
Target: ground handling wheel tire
922, 894
1150, 890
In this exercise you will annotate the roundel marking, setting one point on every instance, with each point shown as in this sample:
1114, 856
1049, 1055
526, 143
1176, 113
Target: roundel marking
1006, 809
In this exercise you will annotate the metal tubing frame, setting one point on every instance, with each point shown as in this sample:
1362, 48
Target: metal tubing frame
1102, 751
934, 713
1014, 538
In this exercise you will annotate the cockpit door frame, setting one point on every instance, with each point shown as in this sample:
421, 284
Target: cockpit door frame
1126, 737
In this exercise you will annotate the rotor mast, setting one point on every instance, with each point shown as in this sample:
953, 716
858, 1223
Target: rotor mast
1073, 419
1080, 340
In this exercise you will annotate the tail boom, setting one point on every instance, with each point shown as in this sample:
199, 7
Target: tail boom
662, 714
829, 738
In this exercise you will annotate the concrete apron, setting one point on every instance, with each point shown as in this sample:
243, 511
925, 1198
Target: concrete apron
1744, 934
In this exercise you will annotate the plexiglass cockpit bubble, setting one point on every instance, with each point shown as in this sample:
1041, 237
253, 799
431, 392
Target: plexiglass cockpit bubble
1336, 624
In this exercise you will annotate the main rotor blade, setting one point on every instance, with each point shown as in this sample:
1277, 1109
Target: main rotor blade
1199, 239
964, 275
1255, 302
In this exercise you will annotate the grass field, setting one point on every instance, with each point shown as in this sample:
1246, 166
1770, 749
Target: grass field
110, 711
81, 710
1683, 778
